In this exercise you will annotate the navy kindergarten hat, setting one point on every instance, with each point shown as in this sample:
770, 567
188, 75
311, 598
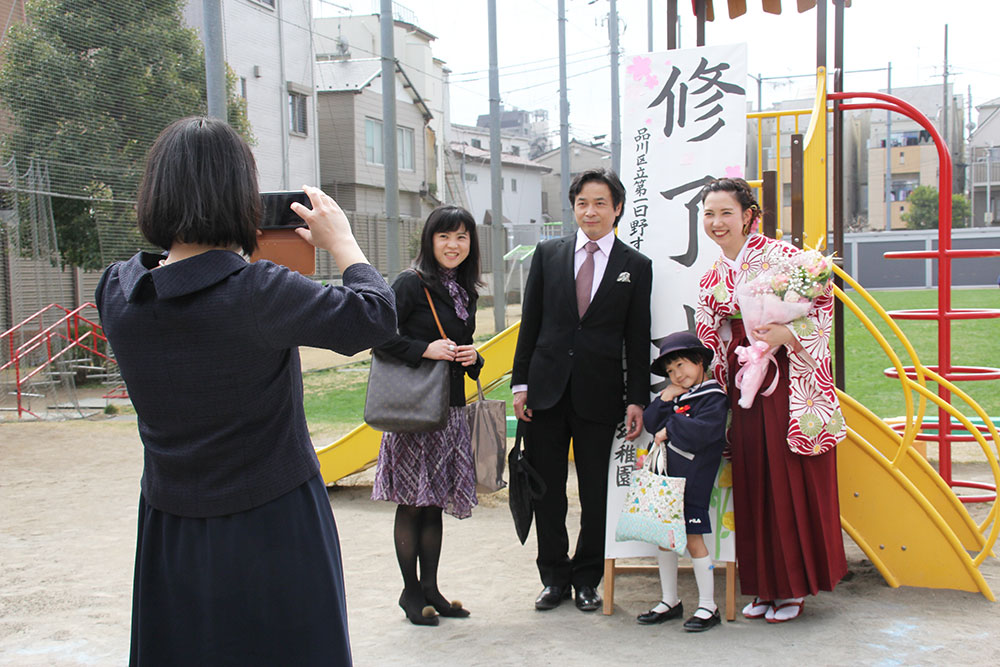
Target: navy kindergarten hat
677, 342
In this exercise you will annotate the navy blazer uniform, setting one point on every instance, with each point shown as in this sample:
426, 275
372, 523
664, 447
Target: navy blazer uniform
696, 426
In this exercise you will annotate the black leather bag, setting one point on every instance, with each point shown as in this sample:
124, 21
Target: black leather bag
407, 399
526, 486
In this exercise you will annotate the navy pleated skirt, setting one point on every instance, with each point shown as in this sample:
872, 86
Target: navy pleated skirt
261, 587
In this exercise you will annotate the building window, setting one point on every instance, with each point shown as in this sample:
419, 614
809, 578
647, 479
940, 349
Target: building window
476, 143
269, 3
471, 178
513, 185
373, 144
404, 148
297, 113
373, 141
243, 87
515, 150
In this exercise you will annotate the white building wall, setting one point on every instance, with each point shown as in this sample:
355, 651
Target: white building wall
270, 47
521, 207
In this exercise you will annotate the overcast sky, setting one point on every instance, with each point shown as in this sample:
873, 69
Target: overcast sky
909, 33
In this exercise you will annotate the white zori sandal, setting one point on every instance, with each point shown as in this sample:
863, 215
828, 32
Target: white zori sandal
784, 610
757, 609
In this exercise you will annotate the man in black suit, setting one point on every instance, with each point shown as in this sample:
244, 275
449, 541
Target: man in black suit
586, 298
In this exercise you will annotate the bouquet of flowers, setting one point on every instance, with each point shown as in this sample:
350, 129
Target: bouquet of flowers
779, 295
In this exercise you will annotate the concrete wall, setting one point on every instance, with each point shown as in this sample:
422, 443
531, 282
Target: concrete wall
864, 258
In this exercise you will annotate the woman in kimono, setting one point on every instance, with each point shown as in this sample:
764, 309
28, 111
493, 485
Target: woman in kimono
788, 538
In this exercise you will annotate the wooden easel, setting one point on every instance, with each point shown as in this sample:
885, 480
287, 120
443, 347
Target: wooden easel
611, 568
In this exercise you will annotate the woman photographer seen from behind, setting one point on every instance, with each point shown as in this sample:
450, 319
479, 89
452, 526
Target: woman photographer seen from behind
237, 558
427, 472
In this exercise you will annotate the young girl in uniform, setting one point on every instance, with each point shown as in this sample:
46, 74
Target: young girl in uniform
688, 420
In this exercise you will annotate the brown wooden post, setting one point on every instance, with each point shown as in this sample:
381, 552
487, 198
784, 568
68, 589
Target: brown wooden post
839, 351
700, 13
671, 25
798, 189
770, 204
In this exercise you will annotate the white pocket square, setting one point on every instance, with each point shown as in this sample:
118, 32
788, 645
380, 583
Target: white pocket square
624, 277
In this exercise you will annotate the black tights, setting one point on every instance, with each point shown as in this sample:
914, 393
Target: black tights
417, 534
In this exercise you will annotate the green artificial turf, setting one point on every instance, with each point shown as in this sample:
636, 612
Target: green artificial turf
973, 343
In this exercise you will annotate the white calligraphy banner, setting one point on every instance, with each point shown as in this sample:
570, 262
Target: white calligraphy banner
683, 124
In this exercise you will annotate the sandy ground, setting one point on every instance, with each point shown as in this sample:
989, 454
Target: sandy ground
68, 495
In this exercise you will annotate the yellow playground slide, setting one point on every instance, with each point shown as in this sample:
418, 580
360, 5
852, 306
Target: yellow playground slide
893, 504
359, 449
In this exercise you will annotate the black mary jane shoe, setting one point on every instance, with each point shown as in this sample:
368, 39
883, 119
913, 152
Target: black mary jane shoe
655, 617
698, 624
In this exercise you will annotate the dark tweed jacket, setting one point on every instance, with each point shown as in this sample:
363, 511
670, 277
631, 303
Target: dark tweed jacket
208, 349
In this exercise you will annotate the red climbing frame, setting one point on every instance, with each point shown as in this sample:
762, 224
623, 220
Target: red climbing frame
944, 314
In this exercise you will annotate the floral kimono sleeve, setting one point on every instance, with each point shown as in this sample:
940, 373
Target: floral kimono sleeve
816, 423
708, 318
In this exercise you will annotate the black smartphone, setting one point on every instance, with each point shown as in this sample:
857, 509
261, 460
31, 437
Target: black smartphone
278, 213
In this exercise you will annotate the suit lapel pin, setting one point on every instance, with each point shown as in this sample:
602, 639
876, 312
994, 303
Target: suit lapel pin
624, 277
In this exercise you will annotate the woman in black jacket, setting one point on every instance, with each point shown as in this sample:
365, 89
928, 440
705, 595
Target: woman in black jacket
425, 473
237, 556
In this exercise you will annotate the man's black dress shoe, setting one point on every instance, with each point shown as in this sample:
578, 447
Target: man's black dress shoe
587, 598
695, 624
653, 617
551, 597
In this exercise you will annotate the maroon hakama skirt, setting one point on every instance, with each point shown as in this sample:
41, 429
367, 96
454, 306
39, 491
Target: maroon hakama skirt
788, 538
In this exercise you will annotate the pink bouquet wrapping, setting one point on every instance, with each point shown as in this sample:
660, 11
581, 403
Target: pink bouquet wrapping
779, 295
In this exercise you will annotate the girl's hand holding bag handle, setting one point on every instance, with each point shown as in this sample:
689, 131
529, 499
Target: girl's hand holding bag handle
406, 399
653, 510
488, 428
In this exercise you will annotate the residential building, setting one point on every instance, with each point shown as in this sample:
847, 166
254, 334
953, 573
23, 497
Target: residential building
268, 45
359, 38
533, 125
985, 162
349, 100
582, 156
778, 146
521, 177
913, 157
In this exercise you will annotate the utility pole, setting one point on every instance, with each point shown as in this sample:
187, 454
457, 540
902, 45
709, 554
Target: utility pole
567, 210
972, 156
616, 121
389, 160
496, 184
215, 59
649, 25
888, 158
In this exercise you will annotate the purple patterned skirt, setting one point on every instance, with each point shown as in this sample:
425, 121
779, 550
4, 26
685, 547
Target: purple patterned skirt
432, 469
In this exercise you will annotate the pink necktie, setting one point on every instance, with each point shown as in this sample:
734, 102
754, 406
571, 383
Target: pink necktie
585, 278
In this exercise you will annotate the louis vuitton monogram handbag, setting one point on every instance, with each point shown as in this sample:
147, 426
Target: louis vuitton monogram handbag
405, 399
